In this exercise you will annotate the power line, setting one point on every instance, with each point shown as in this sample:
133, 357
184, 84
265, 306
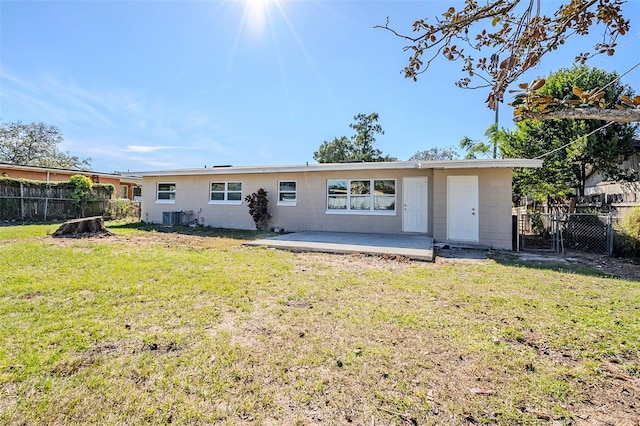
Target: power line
574, 141
599, 128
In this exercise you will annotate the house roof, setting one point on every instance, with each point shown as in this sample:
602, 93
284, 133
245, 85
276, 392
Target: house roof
326, 167
130, 178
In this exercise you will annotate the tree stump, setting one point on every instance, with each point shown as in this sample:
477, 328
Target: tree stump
83, 227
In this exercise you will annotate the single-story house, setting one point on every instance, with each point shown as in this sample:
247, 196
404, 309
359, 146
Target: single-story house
129, 187
596, 184
466, 201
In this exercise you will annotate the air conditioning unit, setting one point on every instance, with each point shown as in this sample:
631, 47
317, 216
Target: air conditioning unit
171, 218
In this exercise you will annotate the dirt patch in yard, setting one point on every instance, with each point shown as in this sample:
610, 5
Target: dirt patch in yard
331, 366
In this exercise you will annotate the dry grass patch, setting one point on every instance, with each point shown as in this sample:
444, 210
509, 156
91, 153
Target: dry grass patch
151, 327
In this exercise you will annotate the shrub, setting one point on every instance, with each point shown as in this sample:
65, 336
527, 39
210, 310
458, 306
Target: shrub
122, 209
81, 193
629, 233
259, 208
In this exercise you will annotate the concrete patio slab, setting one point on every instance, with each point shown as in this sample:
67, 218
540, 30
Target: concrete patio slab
412, 246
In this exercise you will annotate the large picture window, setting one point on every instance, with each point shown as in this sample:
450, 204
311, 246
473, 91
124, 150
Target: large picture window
166, 193
287, 193
361, 195
226, 193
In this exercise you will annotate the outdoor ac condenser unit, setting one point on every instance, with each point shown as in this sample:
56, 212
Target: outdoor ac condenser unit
171, 218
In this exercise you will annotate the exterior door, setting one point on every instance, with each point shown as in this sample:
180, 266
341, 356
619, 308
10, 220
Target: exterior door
462, 208
415, 203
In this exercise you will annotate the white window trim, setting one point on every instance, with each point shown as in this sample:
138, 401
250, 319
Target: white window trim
287, 203
362, 212
158, 201
226, 193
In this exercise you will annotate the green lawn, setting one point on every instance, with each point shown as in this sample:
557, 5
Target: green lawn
155, 327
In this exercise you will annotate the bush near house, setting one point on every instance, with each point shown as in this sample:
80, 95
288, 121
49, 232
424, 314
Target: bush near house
627, 243
259, 208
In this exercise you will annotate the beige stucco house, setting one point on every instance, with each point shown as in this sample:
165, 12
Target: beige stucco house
466, 201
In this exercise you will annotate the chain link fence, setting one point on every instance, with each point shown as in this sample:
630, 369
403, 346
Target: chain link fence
561, 231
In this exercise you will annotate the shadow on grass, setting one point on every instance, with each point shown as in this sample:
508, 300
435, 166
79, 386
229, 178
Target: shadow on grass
550, 263
201, 231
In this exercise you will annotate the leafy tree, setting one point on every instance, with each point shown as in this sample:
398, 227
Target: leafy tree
434, 154
336, 151
81, 193
358, 147
36, 144
499, 40
480, 149
569, 154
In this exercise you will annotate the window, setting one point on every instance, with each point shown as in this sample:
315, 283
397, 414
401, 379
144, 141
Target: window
166, 193
226, 193
124, 191
361, 195
287, 193
137, 191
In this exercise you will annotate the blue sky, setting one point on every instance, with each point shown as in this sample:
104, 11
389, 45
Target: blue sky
145, 85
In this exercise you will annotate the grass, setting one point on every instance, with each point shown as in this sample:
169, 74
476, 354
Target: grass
157, 327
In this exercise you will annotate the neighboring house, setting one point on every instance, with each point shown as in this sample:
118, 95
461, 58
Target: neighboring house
619, 197
625, 191
129, 187
458, 201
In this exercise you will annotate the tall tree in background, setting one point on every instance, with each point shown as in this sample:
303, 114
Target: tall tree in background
434, 154
569, 155
358, 147
480, 149
36, 144
497, 41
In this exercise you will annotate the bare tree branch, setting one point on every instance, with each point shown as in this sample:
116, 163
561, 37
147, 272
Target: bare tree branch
620, 116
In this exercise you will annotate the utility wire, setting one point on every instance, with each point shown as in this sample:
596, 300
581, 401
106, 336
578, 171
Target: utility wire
599, 128
574, 141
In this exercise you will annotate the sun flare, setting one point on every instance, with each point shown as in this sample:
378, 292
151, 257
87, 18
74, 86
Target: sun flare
256, 14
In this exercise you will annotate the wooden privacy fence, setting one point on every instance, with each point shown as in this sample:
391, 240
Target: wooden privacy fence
46, 201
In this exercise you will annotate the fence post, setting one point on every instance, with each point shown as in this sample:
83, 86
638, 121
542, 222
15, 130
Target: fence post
21, 202
558, 235
609, 234
517, 230
46, 203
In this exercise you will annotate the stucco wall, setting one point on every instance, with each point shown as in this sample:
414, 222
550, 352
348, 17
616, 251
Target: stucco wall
309, 213
494, 209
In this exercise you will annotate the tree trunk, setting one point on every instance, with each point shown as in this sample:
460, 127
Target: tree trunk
85, 227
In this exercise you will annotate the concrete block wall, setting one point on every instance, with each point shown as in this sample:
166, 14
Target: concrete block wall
494, 210
309, 213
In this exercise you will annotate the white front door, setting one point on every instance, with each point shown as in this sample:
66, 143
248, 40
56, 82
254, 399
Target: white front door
462, 208
414, 204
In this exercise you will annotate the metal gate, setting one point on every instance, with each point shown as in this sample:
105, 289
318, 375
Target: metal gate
565, 231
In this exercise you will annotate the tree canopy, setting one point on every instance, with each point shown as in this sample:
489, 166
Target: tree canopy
434, 154
497, 41
571, 149
359, 147
36, 144
480, 149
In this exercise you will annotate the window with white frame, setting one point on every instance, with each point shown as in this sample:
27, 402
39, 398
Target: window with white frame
226, 193
287, 193
166, 193
361, 196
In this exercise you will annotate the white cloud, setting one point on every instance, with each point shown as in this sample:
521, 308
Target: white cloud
142, 148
